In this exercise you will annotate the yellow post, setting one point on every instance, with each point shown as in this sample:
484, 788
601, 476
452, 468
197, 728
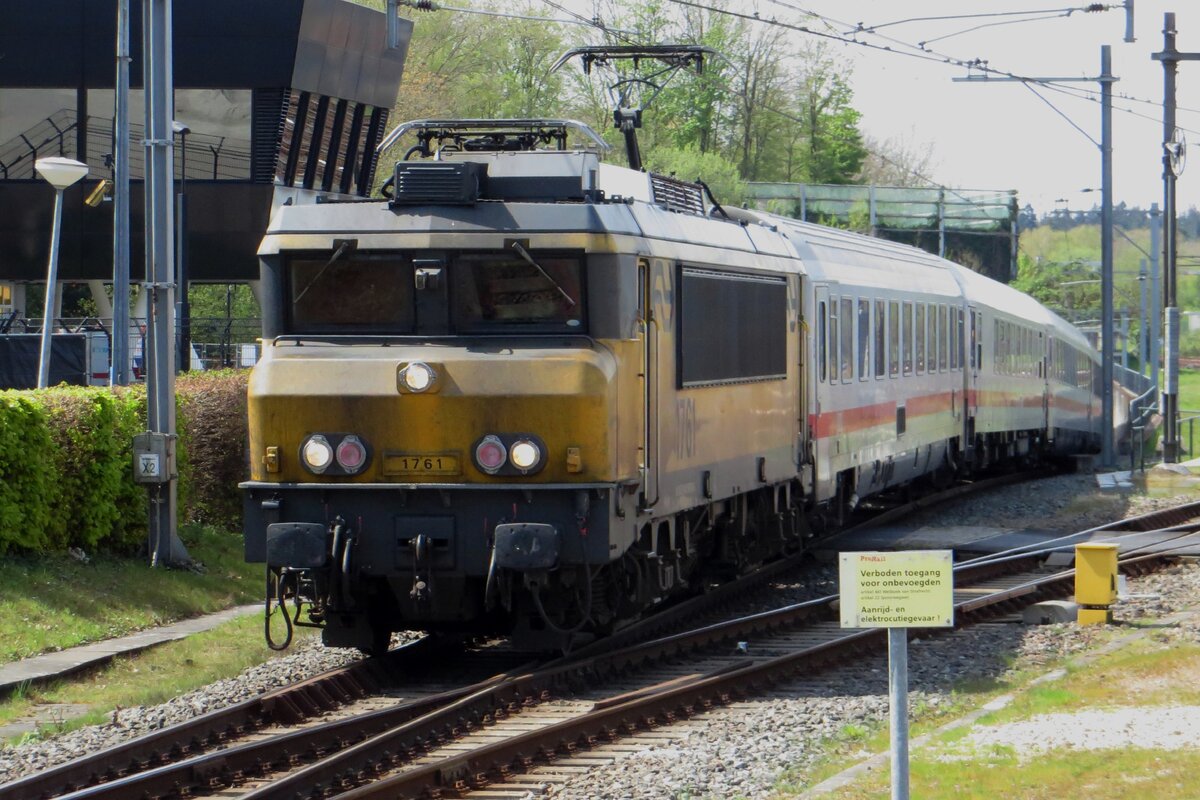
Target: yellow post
1095, 582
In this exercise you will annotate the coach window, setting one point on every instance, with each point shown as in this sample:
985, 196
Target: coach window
1002, 346
1022, 369
963, 344
821, 339
973, 321
955, 337
943, 338
880, 339
1012, 348
834, 330
919, 355
959, 331
909, 339
1020, 338
864, 338
847, 340
931, 347
893, 338
935, 337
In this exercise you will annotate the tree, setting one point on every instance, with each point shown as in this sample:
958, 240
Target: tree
829, 123
689, 163
896, 162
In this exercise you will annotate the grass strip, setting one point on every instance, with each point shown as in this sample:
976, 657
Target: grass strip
149, 678
54, 602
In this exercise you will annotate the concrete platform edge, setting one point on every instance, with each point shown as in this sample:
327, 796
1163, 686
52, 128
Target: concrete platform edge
47, 667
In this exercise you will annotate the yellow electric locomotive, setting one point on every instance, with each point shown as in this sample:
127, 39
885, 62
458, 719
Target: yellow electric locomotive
529, 392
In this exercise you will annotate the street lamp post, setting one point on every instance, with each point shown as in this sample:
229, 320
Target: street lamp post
182, 309
59, 173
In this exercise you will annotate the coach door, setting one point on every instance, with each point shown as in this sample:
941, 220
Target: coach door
656, 294
975, 364
796, 289
823, 372
1044, 373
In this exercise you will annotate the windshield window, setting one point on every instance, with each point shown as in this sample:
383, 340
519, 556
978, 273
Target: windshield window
498, 289
476, 292
352, 292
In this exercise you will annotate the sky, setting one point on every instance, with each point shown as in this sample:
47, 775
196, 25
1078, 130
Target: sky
1001, 135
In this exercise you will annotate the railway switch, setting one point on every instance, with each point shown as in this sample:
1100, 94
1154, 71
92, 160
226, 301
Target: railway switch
1095, 582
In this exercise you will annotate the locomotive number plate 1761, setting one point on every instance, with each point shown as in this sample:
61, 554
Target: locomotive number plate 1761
421, 464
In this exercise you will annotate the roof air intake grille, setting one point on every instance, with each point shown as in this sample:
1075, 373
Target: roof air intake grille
437, 183
675, 195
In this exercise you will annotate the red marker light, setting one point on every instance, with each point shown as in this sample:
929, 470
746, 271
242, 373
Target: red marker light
351, 455
490, 454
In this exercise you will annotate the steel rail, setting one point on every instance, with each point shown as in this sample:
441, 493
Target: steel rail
485, 706
287, 705
647, 709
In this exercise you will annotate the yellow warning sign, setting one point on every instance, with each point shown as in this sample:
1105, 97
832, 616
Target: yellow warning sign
907, 589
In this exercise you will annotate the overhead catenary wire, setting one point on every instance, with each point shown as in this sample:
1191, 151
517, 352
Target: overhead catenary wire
431, 5
1061, 113
1090, 8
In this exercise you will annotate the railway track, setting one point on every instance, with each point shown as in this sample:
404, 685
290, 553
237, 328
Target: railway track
465, 737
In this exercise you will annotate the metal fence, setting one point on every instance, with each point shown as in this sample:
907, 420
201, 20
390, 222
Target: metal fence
207, 156
215, 342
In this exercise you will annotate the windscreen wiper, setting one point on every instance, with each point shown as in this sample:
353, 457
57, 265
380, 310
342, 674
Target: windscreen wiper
343, 246
523, 253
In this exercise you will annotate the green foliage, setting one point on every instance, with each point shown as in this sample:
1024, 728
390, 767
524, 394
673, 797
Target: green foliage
1061, 286
219, 300
689, 163
28, 480
1189, 344
66, 477
83, 426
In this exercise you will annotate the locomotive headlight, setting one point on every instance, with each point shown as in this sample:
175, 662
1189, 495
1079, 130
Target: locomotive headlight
418, 376
317, 454
351, 454
525, 455
490, 454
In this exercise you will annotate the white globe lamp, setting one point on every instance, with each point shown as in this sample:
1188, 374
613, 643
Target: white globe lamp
60, 173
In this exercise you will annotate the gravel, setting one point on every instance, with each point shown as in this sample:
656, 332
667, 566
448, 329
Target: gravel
744, 750
306, 659
1150, 728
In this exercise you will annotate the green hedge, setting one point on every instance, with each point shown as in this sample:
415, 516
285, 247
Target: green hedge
66, 462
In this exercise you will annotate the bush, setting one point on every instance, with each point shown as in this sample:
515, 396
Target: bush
83, 427
28, 480
213, 424
66, 462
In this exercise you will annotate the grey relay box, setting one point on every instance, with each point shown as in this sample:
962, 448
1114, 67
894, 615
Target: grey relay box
154, 458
